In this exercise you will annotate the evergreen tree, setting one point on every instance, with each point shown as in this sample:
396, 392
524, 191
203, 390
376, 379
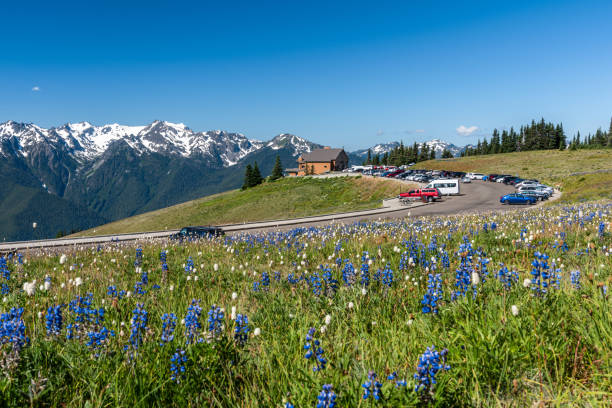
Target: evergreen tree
376, 161
256, 176
277, 171
369, 158
432, 154
248, 177
446, 154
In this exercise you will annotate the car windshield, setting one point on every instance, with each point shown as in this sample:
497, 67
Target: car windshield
183, 231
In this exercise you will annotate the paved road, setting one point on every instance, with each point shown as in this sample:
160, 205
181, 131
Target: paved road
479, 196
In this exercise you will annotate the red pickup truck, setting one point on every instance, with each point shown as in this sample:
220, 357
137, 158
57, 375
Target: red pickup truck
425, 194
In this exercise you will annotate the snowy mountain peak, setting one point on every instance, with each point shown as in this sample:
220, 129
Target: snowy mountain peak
298, 144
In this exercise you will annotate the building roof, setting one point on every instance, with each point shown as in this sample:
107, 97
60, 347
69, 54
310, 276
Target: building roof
322, 155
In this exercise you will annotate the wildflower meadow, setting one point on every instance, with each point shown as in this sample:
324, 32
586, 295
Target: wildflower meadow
492, 309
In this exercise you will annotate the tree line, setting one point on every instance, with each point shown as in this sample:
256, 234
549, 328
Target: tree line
537, 136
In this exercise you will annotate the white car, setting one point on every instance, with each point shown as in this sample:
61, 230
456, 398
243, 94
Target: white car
526, 183
475, 176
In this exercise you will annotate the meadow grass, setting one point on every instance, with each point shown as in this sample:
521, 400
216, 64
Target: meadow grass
281, 199
580, 174
554, 352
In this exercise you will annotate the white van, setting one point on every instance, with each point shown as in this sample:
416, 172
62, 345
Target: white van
446, 186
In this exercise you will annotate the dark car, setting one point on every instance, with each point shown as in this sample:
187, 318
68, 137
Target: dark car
516, 198
195, 232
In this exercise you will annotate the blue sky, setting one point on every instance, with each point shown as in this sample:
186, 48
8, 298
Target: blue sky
347, 74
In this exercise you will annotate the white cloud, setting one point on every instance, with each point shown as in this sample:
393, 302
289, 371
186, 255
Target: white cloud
419, 131
36, 89
380, 133
466, 131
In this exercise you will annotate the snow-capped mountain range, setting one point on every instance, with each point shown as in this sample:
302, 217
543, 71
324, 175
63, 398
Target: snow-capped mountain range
86, 142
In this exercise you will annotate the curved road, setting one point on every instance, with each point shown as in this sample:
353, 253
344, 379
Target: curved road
478, 196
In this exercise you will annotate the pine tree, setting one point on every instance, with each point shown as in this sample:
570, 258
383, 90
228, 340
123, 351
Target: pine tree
277, 171
446, 154
369, 158
256, 176
248, 177
432, 154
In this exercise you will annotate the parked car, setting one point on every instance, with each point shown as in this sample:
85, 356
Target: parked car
466, 180
194, 232
539, 195
516, 198
476, 176
426, 194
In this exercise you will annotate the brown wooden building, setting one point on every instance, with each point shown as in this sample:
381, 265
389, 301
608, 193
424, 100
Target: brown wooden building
321, 161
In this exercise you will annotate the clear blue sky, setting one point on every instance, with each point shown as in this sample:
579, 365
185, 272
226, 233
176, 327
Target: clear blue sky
347, 74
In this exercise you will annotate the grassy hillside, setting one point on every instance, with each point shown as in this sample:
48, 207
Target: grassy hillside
287, 198
581, 174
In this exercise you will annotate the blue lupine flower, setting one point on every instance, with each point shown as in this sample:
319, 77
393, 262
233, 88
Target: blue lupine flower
138, 326
314, 351
430, 363
387, 276
602, 229
4, 270
12, 332
162, 256
348, 273
365, 271
98, 339
192, 323
327, 397
177, 365
189, 265
265, 280
241, 331
506, 277
138, 260
398, 383
215, 321
433, 294
331, 284
168, 326
144, 278
138, 289
543, 279
575, 278
54, 320
372, 387
315, 284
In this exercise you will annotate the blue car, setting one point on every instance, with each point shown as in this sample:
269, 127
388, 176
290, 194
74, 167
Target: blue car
516, 198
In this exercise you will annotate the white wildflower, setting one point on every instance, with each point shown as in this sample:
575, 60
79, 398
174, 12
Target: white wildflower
526, 282
475, 278
234, 295
327, 319
256, 332
515, 310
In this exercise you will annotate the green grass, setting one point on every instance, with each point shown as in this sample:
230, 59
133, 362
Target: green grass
555, 352
580, 174
283, 199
